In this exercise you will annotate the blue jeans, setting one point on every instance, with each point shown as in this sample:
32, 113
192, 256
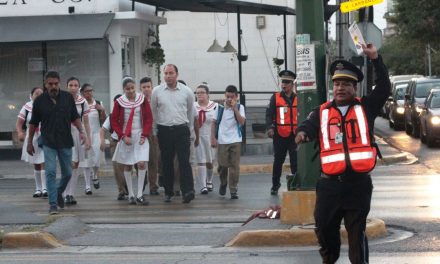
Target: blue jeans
50, 164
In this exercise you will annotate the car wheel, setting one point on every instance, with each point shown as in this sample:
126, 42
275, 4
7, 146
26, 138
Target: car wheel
430, 141
415, 130
408, 128
422, 136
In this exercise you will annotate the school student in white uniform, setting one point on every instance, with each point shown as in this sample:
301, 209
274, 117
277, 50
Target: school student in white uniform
79, 148
132, 121
37, 160
204, 152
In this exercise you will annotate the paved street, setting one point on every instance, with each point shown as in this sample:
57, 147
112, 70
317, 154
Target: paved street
405, 196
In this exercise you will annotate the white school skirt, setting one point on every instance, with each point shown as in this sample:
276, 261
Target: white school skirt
204, 151
93, 156
38, 157
78, 150
134, 153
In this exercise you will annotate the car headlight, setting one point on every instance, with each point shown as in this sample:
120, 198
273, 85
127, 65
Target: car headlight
419, 109
400, 110
435, 120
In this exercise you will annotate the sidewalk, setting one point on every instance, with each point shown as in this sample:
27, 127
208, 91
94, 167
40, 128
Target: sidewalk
103, 209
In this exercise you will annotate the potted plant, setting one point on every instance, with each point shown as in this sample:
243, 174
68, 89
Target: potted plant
259, 130
277, 64
154, 55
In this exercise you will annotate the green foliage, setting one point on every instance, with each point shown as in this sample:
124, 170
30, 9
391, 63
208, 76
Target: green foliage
417, 24
154, 56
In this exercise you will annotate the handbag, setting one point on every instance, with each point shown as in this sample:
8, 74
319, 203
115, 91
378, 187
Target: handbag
40, 141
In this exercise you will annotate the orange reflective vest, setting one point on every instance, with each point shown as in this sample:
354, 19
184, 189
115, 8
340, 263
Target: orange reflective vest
286, 116
345, 141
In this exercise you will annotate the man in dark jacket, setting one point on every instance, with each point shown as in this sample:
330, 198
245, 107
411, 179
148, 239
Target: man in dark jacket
344, 128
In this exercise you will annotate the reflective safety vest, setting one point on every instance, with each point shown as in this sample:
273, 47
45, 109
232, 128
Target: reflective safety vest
286, 116
345, 141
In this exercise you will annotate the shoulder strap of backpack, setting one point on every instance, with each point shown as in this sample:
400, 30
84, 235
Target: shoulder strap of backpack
219, 119
24, 127
82, 110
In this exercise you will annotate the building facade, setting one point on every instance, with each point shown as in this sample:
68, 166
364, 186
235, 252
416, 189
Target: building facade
97, 41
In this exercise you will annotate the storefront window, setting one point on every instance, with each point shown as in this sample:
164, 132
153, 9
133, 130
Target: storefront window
85, 59
128, 59
21, 69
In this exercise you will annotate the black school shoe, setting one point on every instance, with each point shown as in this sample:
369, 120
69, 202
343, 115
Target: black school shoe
141, 201
234, 196
222, 189
274, 189
188, 197
96, 183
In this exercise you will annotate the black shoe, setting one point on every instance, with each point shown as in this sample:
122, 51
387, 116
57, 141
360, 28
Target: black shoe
274, 189
96, 183
177, 193
168, 198
187, 197
72, 200
60, 200
45, 195
234, 196
204, 190
141, 201
121, 197
88, 191
37, 194
53, 210
222, 190
154, 192
209, 186
131, 200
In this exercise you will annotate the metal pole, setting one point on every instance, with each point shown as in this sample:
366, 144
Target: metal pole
285, 41
310, 20
428, 50
240, 77
132, 5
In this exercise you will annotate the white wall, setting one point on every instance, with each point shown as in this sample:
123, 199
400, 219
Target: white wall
186, 37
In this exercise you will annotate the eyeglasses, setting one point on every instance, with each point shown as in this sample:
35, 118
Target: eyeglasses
286, 81
200, 92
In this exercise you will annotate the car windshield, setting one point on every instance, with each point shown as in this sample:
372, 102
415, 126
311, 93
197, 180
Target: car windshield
400, 92
423, 89
435, 100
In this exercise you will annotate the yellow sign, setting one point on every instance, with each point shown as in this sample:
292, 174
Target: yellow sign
357, 4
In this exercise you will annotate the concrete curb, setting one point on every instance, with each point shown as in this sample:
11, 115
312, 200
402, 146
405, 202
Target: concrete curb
298, 236
39, 239
267, 168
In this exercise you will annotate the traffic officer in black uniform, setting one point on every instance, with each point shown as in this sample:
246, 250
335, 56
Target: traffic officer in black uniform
281, 122
344, 128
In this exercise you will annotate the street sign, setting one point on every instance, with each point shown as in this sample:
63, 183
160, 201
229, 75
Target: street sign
305, 67
371, 33
357, 4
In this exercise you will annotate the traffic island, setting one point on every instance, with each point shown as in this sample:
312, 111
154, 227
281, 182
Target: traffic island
298, 235
37, 239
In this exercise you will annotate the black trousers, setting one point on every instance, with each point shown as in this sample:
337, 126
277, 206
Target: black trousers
175, 140
349, 200
280, 147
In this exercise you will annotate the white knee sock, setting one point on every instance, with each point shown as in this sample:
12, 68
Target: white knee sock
141, 179
209, 174
37, 177
95, 173
43, 180
201, 176
87, 176
73, 182
129, 181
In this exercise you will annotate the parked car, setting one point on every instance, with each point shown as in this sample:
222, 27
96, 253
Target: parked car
430, 119
395, 80
396, 106
386, 107
416, 93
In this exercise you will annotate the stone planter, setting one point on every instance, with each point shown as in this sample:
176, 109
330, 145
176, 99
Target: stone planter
259, 130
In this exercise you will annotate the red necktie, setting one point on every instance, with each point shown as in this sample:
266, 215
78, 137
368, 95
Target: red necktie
127, 131
202, 117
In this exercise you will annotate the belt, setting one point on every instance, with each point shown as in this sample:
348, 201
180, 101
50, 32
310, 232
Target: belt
352, 177
172, 127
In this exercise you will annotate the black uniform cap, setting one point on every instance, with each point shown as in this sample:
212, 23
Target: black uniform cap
287, 75
342, 69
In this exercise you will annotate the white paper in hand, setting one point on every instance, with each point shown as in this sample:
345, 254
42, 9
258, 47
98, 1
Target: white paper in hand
357, 37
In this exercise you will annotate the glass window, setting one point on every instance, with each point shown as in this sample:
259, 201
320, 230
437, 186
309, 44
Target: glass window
21, 69
435, 100
423, 89
85, 59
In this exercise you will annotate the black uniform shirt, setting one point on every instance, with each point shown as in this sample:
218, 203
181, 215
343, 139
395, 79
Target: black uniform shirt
55, 119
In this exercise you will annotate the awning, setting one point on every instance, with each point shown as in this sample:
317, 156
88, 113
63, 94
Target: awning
219, 6
57, 27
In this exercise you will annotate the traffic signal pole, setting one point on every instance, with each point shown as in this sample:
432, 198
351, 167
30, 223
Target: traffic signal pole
298, 202
310, 20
